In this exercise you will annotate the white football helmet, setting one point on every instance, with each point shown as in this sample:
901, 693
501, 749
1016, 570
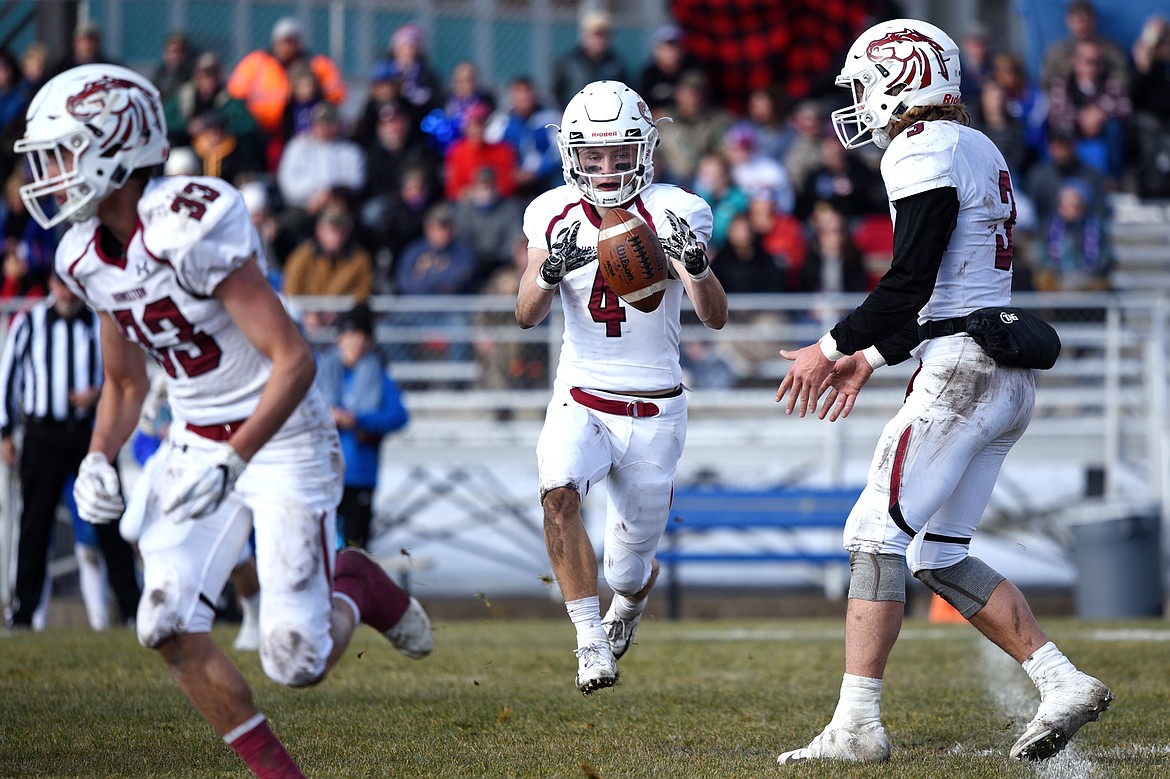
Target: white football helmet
893, 66
607, 113
88, 129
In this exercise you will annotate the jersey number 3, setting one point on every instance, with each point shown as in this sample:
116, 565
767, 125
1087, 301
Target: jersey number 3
1003, 241
196, 351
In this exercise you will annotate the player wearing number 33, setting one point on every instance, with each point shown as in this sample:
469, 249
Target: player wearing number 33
175, 270
618, 411
937, 460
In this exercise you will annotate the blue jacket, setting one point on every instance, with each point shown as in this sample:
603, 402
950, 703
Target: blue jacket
360, 444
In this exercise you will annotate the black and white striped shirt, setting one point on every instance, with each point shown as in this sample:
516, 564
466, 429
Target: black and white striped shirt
46, 357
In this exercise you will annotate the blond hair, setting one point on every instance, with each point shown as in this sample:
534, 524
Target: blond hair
930, 113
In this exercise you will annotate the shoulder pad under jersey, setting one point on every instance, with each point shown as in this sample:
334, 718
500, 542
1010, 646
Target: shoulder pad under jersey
200, 226
921, 158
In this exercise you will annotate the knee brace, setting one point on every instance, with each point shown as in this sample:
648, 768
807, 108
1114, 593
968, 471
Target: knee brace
877, 577
167, 608
288, 656
966, 585
627, 572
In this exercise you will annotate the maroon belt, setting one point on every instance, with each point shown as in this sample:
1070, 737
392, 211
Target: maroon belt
220, 432
633, 408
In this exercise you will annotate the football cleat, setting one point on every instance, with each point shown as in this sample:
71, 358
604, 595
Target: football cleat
1065, 706
411, 632
596, 668
856, 744
411, 635
620, 632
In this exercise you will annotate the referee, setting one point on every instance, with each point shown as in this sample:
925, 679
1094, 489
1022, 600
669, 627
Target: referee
50, 375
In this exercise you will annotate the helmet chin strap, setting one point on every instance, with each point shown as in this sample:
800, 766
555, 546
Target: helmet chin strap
83, 212
881, 138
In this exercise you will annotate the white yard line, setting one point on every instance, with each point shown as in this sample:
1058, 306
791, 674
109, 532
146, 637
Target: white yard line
1128, 634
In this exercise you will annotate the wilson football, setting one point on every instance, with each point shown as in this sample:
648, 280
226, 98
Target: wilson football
632, 260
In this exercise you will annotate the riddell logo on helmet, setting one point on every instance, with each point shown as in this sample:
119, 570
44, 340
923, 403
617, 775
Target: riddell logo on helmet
610, 134
949, 99
902, 47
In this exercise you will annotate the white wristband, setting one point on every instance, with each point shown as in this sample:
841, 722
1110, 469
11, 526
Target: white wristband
706, 272
828, 346
540, 282
873, 357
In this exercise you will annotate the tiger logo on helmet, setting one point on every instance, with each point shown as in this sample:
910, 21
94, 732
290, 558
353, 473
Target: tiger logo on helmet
891, 67
109, 96
88, 129
901, 47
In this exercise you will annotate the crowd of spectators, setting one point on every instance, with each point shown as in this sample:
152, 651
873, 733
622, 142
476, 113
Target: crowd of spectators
420, 191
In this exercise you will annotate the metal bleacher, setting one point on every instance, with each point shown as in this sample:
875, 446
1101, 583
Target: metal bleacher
1140, 237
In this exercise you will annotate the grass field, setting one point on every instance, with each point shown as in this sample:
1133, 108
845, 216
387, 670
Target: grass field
496, 699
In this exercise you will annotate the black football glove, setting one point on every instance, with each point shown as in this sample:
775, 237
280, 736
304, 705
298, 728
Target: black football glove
682, 245
562, 252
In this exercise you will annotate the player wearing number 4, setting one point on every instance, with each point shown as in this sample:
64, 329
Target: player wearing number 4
174, 268
618, 411
937, 460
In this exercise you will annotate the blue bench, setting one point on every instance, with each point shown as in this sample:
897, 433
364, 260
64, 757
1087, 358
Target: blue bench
775, 516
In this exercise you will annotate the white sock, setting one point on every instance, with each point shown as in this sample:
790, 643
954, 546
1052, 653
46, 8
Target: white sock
625, 608
40, 617
250, 608
586, 616
1048, 664
860, 700
91, 576
348, 601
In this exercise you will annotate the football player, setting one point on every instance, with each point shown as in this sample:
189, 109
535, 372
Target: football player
618, 411
938, 458
174, 268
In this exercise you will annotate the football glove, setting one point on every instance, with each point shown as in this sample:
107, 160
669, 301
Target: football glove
98, 491
562, 252
202, 489
683, 246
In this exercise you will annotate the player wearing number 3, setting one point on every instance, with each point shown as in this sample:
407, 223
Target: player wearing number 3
618, 411
937, 460
175, 269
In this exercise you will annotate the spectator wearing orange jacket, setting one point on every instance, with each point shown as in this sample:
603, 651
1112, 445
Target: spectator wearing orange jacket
261, 79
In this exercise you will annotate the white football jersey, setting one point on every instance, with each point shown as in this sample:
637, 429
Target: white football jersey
193, 232
976, 270
607, 344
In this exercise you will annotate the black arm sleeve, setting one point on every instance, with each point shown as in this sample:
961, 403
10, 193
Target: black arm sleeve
898, 346
921, 234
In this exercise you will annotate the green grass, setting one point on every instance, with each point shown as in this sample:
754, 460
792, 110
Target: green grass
696, 699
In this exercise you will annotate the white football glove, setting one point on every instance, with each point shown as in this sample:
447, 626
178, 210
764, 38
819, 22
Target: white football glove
204, 488
682, 245
98, 491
